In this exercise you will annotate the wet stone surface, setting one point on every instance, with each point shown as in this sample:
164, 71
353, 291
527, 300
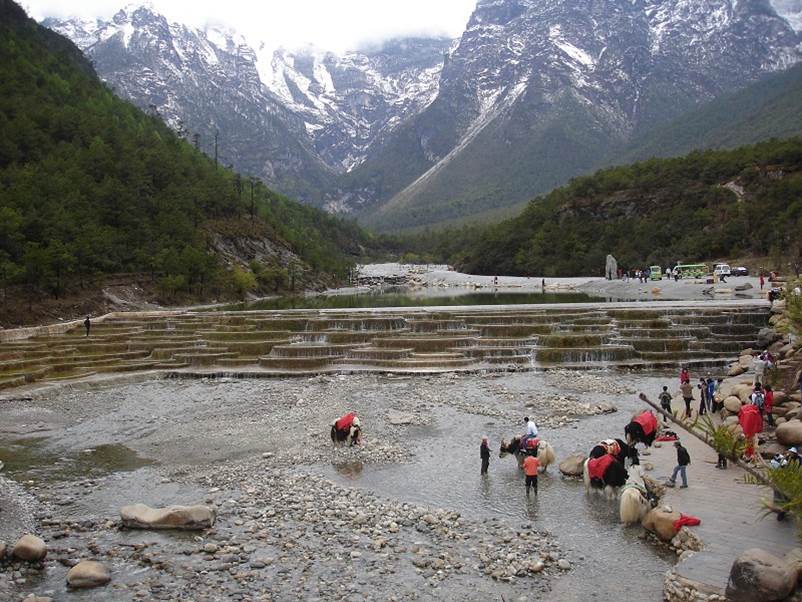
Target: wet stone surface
406, 516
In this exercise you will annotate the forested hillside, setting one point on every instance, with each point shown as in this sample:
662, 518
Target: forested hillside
770, 108
91, 185
704, 205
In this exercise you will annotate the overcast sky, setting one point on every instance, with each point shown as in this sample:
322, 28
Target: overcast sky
327, 24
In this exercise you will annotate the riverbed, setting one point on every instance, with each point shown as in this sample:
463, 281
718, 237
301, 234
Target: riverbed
298, 519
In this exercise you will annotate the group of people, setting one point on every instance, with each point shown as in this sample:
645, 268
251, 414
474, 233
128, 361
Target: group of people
709, 394
531, 464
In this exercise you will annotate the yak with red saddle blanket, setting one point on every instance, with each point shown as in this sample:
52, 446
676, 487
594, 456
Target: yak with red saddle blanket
604, 474
346, 429
520, 447
642, 429
616, 448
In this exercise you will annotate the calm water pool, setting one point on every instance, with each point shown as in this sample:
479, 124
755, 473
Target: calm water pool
399, 297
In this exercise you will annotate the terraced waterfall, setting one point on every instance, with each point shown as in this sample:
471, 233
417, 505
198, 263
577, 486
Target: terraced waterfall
270, 343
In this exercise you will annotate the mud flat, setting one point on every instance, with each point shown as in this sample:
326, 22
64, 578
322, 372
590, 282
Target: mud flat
406, 516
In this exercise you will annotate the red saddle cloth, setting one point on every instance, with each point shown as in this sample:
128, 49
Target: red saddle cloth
598, 466
648, 422
344, 423
528, 443
750, 420
686, 519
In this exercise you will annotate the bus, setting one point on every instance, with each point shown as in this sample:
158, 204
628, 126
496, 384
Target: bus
690, 270
655, 272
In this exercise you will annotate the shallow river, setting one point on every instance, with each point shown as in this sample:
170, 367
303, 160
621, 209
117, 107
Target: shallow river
587, 526
443, 473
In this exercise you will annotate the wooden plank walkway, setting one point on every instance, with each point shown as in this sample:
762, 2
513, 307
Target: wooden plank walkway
731, 512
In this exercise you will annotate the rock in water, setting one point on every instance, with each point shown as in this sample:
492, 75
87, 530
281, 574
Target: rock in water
88, 573
30, 548
758, 575
661, 522
790, 433
572, 465
140, 516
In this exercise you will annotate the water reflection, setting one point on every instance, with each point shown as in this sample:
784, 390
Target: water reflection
403, 297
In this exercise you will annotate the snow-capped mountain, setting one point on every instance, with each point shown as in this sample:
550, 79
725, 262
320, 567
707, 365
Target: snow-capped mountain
294, 119
350, 101
421, 130
538, 91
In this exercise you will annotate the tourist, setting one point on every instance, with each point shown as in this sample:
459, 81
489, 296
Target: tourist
531, 465
484, 453
796, 269
758, 399
768, 403
711, 394
531, 427
686, 388
702, 396
759, 364
762, 281
665, 403
683, 459
87, 325
684, 375
722, 462
717, 394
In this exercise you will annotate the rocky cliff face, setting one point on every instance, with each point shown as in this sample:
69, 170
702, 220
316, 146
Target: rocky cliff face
536, 92
294, 119
423, 130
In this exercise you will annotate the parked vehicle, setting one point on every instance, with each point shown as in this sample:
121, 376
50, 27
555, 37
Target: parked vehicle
722, 269
690, 270
655, 272
739, 271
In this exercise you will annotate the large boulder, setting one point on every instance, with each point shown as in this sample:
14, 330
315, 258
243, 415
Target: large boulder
767, 336
572, 465
732, 404
780, 398
736, 370
88, 573
758, 575
140, 516
745, 361
30, 548
794, 560
742, 392
790, 433
661, 522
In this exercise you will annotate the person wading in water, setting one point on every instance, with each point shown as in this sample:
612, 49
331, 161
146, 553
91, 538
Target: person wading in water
484, 453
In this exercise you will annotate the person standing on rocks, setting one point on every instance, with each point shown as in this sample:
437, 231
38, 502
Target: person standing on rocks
768, 404
665, 403
484, 453
683, 460
759, 365
531, 465
87, 325
687, 396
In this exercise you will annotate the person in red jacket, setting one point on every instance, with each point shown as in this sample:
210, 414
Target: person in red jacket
531, 465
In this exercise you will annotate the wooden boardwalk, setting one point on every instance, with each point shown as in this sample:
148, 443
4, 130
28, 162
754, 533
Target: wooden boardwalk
731, 512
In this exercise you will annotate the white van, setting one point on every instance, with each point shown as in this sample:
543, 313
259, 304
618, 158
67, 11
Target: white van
722, 269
